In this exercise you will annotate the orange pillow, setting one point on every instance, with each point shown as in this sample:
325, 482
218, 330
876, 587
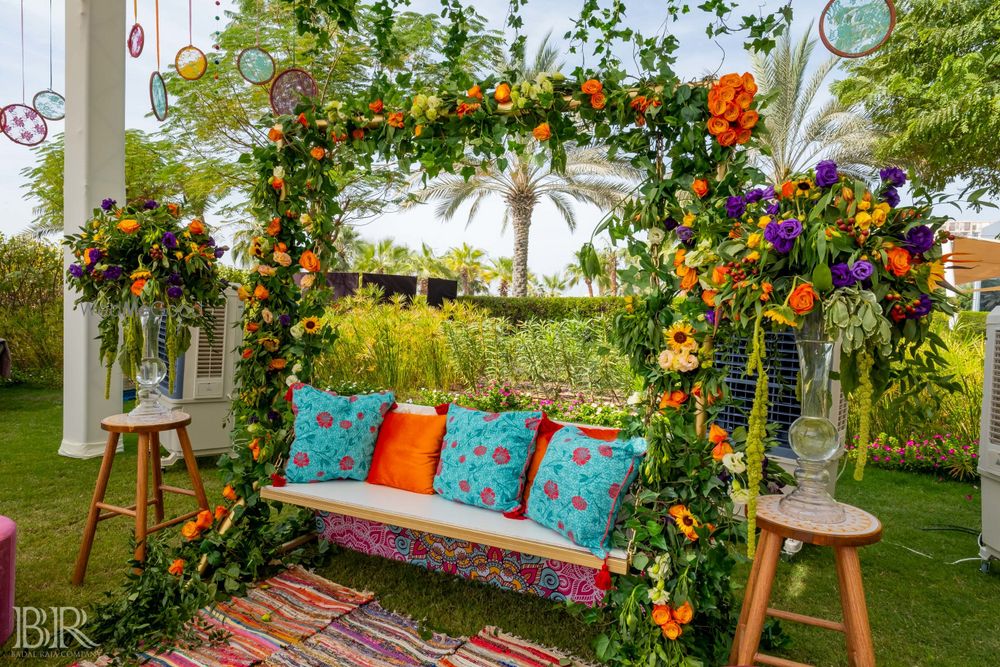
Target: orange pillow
407, 451
546, 430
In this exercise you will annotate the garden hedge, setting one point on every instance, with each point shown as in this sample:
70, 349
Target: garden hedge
520, 309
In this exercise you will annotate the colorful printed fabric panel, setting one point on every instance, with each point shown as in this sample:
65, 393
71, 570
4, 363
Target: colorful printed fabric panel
493, 647
485, 456
510, 570
334, 435
580, 485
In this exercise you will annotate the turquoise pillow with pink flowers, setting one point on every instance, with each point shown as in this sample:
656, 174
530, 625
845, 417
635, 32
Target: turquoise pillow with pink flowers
580, 484
485, 456
334, 435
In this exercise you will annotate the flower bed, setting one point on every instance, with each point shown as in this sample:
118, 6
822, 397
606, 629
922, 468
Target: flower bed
936, 454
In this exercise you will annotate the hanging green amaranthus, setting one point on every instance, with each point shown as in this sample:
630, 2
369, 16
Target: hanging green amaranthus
756, 431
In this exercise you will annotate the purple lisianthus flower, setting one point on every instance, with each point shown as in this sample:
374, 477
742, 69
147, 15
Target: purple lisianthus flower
735, 206
924, 307
113, 272
175, 292
842, 276
769, 193
284, 319
670, 224
862, 270
893, 176
219, 252
210, 242
710, 317
76, 270
685, 234
755, 196
150, 204
169, 240
273, 415
773, 208
891, 197
91, 257
108, 204
175, 279
789, 229
773, 234
920, 239
826, 173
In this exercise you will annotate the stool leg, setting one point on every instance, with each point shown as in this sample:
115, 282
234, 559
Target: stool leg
154, 461
747, 596
192, 467
90, 528
768, 552
860, 651
141, 496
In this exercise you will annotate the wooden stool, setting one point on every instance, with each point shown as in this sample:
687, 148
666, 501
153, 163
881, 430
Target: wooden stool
859, 529
149, 456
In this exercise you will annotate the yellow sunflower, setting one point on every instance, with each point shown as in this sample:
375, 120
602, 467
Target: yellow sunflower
680, 337
685, 521
312, 325
779, 317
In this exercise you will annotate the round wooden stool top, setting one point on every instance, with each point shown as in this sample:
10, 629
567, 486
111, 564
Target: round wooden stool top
858, 529
125, 423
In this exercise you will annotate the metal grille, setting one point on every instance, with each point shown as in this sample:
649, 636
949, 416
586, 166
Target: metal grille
212, 351
995, 390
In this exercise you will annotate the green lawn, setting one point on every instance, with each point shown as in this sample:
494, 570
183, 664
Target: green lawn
924, 611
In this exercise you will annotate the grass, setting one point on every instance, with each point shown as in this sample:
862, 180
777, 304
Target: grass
924, 610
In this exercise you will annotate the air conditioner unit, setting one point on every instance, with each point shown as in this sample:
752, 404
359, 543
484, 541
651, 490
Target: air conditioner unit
203, 384
989, 443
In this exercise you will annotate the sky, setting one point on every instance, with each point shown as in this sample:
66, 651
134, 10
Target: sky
552, 245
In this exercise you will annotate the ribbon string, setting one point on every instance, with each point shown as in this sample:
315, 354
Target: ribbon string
24, 97
157, 35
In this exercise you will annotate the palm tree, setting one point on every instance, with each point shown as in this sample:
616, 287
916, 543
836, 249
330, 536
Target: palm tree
798, 135
589, 178
466, 262
381, 257
607, 282
427, 265
502, 269
554, 285
575, 274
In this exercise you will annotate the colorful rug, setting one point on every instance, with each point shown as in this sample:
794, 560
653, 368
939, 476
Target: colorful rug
494, 648
368, 637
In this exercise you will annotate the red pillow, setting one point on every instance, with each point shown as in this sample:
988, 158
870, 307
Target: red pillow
546, 430
407, 451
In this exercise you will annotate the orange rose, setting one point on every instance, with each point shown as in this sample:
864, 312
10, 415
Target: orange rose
275, 134
138, 285
190, 531
357, 133
542, 132
592, 86
277, 364
274, 227
803, 298
204, 519
743, 101
727, 138
229, 493
673, 399
277, 183
749, 85
721, 450
720, 274
708, 296
717, 126
598, 100
731, 80
252, 327
787, 190
749, 119
700, 187
732, 112
684, 613
255, 448
475, 92
396, 119
661, 614
309, 261
260, 293
898, 262
376, 106
173, 209
502, 93
302, 120
197, 227
177, 567
717, 107
220, 512
128, 226
726, 93
671, 630
717, 434
318, 153
742, 136
247, 353
689, 280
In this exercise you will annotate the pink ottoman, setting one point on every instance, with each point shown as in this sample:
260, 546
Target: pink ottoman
8, 534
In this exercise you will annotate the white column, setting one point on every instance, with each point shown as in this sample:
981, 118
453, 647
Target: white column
95, 169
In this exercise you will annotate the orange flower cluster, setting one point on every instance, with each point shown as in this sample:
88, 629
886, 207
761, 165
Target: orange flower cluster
673, 399
465, 108
720, 441
639, 104
729, 102
595, 89
192, 530
671, 620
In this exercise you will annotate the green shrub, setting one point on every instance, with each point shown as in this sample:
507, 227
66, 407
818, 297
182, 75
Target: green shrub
971, 323
31, 304
521, 309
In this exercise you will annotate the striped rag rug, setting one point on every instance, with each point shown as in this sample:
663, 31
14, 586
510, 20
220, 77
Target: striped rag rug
369, 636
494, 648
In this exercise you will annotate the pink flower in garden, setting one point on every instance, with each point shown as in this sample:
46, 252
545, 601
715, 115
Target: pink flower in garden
579, 503
301, 459
551, 489
324, 419
479, 451
464, 485
347, 463
501, 455
487, 496
581, 455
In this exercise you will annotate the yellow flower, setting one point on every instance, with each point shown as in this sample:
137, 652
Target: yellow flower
753, 257
764, 221
140, 273
936, 275
776, 316
312, 325
754, 240
689, 219
680, 337
864, 205
863, 220
685, 521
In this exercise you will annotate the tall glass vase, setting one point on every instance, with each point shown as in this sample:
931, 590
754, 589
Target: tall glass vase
151, 369
813, 437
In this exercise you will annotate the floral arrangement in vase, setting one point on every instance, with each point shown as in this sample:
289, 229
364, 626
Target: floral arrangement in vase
137, 265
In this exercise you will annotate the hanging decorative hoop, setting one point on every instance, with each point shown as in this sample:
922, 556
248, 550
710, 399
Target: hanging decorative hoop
856, 28
289, 88
191, 63
256, 65
136, 40
23, 125
49, 104
158, 96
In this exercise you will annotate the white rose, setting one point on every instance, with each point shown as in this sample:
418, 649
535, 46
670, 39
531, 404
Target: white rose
734, 462
433, 101
290, 380
658, 595
297, 331
656, 235
666, 360
739, 495
686, 363
297, 368
635, 398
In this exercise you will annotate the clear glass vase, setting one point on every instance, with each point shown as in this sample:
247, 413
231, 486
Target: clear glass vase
813, 437
151, 370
